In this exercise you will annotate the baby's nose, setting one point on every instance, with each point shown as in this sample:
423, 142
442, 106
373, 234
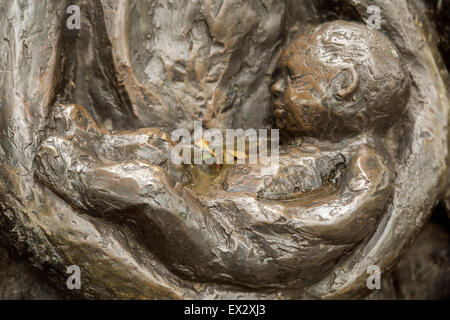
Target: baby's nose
278, 87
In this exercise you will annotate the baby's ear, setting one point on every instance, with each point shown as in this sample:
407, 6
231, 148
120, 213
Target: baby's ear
346, 82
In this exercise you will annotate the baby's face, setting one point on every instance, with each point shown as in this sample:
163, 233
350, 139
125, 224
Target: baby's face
339, 81
302, 90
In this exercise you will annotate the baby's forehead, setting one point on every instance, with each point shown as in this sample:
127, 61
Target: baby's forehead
326, 49
301, 59
326, 44
297, 50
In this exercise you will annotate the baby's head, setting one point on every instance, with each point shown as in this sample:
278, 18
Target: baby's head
339, 80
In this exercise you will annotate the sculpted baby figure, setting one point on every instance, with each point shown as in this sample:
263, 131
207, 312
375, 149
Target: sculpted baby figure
340, 88
339, 81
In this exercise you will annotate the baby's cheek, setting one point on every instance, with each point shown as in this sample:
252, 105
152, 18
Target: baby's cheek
294, 102
304, 111
293, 94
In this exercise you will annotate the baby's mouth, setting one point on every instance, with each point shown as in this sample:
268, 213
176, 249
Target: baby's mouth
280, 114
279, 110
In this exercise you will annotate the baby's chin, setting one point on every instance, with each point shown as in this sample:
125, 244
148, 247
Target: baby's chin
280, 124
283, 121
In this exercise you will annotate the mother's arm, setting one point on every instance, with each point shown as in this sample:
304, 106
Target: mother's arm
232, 238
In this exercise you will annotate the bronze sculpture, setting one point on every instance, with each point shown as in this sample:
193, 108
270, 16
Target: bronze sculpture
92, 185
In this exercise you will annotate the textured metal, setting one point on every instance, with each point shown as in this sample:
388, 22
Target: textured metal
85, 123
